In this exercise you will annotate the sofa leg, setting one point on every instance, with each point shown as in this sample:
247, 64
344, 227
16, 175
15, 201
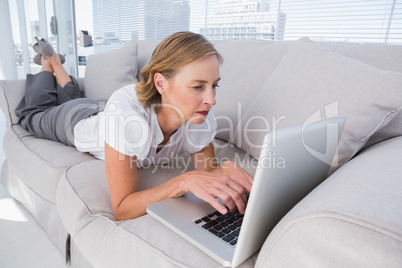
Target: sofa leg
68, 250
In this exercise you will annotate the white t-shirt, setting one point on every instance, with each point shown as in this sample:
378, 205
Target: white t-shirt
133, 130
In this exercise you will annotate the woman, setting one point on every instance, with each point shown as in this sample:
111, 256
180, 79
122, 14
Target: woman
167, 113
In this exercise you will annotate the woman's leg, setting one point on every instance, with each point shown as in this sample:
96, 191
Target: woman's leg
46, 66
67, 87
39, 110
40, 94
62, 76
44, 90
57, 123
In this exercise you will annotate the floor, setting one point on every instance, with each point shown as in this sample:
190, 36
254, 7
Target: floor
23, 243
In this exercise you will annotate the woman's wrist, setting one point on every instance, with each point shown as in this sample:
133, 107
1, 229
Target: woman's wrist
223, 168
179, 185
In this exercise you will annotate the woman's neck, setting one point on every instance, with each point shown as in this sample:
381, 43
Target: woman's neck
168, 123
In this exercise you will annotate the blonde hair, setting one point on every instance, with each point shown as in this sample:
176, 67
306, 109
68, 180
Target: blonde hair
175, 51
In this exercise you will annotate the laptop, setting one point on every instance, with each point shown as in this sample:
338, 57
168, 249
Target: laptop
306, 153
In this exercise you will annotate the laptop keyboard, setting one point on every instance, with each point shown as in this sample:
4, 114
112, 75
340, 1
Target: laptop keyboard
225, 227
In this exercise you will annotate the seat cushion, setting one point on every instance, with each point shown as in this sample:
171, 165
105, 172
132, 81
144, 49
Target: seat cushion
84, 204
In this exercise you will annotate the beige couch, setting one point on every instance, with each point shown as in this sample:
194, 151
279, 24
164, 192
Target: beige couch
352, 219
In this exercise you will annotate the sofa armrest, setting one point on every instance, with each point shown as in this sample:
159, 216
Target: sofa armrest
353, 219
11, 93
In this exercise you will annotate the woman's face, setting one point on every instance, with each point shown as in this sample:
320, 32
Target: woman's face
191, 92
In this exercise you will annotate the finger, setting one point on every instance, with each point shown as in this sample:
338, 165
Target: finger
244, 179
239, 189
223, 187
249, 178
230, 197
240, 180
217, 205
239, 175
211, 199
239, 200
223, 194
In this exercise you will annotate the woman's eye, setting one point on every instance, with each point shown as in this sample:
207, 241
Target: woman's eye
214, 86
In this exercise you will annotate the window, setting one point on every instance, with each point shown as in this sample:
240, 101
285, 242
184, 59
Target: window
353, 21
43, 18
118, 22
103, 25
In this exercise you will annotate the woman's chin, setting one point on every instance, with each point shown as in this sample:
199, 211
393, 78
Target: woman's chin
198, 120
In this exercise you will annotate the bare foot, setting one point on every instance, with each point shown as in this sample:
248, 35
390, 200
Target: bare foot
62, 76
54, 60
46, 66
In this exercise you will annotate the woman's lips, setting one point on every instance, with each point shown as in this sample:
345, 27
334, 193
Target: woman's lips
203, 112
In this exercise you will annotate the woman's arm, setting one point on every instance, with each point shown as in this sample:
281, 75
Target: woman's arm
122, 175
128, 202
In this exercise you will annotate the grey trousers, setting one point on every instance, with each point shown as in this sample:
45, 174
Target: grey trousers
49, 111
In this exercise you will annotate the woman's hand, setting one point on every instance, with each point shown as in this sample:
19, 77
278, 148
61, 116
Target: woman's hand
237, 174
229, 183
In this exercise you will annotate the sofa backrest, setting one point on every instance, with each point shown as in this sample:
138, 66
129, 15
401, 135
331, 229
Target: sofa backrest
247, 66
249, 63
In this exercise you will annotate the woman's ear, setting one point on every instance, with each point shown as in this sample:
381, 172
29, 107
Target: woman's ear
160, 83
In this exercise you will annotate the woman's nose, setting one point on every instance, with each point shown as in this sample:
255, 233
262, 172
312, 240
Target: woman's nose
209, 98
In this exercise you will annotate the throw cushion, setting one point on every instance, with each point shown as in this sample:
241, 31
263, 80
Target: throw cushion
313, 83
144, 50
107, 72
245, 63
387, 57
393, 129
